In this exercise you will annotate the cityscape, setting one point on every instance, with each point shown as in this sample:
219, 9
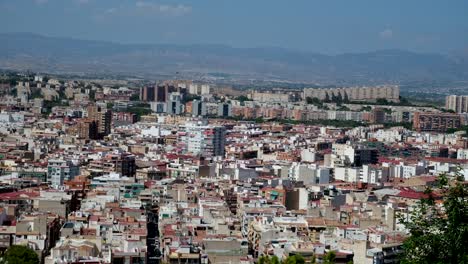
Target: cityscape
106, 162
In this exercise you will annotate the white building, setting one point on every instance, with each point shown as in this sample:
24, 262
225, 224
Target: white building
309, 174
347, 174
205, 89
193, 89
374, 175
308, 155
59, 171
405, 171
204, 140
387, 135
174, 104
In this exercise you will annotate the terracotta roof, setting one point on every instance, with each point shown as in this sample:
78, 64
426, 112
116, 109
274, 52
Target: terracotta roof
23, 194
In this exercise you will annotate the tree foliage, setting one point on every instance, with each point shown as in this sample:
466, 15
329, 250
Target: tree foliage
438, 234
366, 108
295, 259
92, 95
36, 93
314, 101
329, 258
20, 254
135, 97
243, 98
462, 128
14, 92
190, 97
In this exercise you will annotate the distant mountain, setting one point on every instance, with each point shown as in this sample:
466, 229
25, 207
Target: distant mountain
65, 55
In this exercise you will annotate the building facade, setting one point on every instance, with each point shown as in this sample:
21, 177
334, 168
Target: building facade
435, 122
457, 103
59, 171
203, 140
388, 92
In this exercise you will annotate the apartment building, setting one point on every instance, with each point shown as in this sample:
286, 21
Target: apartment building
388, 92
435, 122
457, 103
59, 171
202, 139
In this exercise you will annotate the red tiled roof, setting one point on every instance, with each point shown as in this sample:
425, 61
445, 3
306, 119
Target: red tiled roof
447, 160
412, 195
23, 194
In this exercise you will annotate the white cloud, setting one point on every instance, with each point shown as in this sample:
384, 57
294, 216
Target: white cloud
172, 10
386, 34
143, 9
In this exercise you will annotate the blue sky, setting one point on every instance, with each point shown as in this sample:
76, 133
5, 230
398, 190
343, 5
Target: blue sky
326, 26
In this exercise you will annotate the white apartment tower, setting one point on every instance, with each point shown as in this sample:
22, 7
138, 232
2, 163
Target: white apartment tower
203, 140
59, 171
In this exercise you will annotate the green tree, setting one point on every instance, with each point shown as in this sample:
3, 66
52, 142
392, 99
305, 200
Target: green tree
407, 125
296, 259
243, 98
61, 94
343, 108
404, 101
387, 110
20, 254
190, 97
382, 101
135, 97
346, 98
14, 92
447, 110
140, 110
314, 101
438, 234
366, 108
274, 260
92, 94
36, 93
462, 128
339, 99
264, 260
329, 258
334, 98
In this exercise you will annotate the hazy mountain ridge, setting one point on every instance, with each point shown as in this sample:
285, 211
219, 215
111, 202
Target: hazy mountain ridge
39, 53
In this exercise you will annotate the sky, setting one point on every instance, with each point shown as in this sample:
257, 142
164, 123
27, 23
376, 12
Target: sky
322, 26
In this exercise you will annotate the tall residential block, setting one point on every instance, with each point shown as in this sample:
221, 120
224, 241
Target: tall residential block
148, 93
59, 171
457, 103
203, 140
103, 119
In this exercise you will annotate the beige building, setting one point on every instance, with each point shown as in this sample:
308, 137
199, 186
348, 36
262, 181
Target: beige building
457, 103
389, 92
73, 250
270, 97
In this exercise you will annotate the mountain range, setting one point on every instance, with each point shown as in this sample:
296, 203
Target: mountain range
27, 51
